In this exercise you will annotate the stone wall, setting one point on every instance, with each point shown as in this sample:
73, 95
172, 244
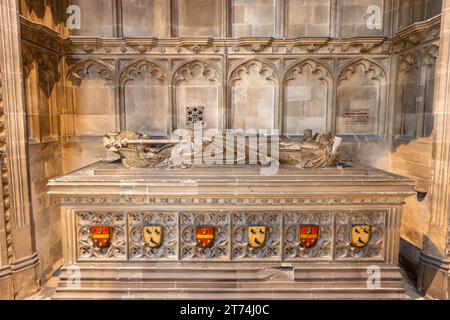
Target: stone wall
264, 64
44, 98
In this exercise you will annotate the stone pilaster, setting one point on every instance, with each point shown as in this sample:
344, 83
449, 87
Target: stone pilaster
19, 264
434, 266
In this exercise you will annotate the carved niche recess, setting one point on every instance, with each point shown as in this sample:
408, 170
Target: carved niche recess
425, 121
407, 95
41, 76
92, 78
361, 100
308, 98
254, 96
145, 98
198, 84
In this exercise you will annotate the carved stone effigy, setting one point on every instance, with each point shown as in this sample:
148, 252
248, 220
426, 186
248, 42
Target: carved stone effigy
230, 232
139, 151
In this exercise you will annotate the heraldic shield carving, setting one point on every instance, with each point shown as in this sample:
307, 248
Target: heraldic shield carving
153, 236
205, 237
101, 236
257, 236
361, 235
309, 236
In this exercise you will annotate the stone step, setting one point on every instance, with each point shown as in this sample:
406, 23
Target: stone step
232, 293
323, 283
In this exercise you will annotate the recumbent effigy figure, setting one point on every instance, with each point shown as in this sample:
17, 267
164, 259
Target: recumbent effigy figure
140, 151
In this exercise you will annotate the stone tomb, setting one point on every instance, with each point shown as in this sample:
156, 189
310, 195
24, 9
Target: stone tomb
229, 232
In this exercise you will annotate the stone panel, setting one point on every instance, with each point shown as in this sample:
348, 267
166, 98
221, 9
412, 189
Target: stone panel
253, 18
361, 99
139, 250
308, 18
241, 249
344, 221
197, 84
97, 18
293, 249
189, 248
146, 98
308, 98
116, 221
92, 116
199, 18
254, 96
146, 18
360, 18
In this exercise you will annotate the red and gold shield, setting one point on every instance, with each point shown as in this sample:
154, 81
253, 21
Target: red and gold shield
205, 237
101, 236
309, 236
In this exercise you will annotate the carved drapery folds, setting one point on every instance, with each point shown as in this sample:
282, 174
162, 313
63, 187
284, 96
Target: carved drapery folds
197, 84
254, 96
361, 99
144, 93
308, 98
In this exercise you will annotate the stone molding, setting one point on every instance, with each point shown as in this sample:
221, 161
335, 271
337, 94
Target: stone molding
22, 258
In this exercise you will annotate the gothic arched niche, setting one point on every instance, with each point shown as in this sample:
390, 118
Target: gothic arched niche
90, 94
254, 97
361, 100
40, 78
145, 98
197, 96
308, 98
407, 85
31, 84
425, 117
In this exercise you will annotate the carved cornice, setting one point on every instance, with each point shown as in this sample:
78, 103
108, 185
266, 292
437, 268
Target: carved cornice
226, 201
41, 35
417, 34
411, 36
209, 46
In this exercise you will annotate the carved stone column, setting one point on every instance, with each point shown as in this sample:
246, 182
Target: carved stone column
434, 266
19, 261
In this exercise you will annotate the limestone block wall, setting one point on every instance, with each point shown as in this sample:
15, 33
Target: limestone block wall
44, 97
145, 65
413, 124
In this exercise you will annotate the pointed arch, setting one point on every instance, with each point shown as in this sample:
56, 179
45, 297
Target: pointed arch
80, 71
198, 85
140, 81
140, 67
254, 96
361, 99
308, 98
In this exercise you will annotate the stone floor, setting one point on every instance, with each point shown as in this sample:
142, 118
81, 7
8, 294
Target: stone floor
49, 289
